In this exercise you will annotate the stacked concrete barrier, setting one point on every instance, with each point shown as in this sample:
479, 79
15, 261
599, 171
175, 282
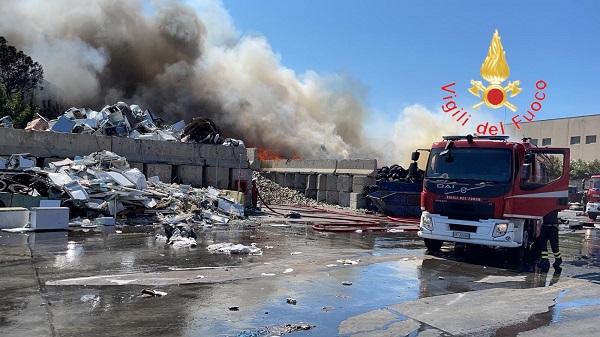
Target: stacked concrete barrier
335, 182
202, 165
198, 165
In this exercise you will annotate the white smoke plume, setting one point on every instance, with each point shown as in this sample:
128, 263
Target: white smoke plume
186, 59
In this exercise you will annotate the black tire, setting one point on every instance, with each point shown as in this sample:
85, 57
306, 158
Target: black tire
472, 250
593, 217
433, 245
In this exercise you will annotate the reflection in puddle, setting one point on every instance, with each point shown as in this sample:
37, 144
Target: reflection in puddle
591, 246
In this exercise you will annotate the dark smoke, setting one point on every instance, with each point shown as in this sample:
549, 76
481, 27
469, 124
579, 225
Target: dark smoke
185, 60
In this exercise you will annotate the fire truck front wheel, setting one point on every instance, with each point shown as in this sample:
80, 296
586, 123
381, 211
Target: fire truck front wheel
592, 216
433, 245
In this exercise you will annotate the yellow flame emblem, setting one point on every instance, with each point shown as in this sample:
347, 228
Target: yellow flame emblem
495, 70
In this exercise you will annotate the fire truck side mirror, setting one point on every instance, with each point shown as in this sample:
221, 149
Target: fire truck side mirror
414, 156
529, 158
525, 172
413, 169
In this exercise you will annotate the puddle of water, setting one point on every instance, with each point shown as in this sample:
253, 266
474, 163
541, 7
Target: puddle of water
325, 302
552, 316
322, 300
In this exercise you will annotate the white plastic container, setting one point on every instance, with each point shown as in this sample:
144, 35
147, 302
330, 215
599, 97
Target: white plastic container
106, 221
49, 218
13, 217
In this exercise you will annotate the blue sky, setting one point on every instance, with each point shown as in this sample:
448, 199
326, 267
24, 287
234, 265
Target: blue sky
404, 51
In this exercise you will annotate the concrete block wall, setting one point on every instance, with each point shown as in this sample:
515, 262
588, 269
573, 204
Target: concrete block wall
335, 182
199, 165
189, 174
162, 171
217, 177
202, 165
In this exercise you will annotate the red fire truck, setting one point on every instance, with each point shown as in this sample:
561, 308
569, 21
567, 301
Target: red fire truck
486, 190
592, 207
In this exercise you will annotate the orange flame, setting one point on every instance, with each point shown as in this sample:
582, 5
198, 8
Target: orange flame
269, 154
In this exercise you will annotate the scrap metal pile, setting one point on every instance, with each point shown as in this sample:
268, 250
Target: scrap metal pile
275, 194
103, 184
125, 120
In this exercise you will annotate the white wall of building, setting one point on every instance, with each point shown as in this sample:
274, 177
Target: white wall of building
580, 134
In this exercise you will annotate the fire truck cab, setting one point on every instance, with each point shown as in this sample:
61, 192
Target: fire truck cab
592, 207
486, 190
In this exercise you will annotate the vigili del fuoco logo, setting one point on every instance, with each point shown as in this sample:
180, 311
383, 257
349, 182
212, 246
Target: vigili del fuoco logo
495, 71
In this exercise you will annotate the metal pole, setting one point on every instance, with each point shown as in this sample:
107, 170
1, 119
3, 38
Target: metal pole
217, 170
240, 174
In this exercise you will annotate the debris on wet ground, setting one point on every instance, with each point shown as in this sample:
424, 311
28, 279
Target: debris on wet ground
347, 283
231, 248
234, 308
278, 330
152, 292
290, 300
348, 262
293, 215
102, 188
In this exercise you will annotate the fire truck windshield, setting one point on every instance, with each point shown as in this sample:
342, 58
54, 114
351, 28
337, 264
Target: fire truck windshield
595, 182
486, 165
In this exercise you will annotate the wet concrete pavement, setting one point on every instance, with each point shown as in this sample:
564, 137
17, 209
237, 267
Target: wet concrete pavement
89, 283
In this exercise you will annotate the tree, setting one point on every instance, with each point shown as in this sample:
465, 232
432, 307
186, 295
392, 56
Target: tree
579, 169
555, 166
19, 111
594, 167
18, 72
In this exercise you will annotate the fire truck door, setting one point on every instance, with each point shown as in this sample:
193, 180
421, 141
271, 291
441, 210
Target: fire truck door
542, 184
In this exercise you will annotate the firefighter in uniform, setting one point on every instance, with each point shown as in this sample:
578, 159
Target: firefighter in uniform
549, 232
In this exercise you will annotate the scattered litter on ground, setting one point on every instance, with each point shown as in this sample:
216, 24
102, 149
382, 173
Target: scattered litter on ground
231, 248
293, 215
347, 283
152, 292
348, 262
290, 300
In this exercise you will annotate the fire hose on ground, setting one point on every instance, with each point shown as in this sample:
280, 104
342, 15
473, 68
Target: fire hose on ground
339, 221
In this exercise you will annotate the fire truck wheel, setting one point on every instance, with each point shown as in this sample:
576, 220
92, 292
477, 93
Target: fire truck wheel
433, 245
593, 217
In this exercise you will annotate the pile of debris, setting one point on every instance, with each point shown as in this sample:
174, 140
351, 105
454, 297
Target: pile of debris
273, 193
130, 121
103, 184
396, 172
6, 122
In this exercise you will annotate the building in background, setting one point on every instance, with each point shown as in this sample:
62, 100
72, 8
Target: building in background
580, 134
